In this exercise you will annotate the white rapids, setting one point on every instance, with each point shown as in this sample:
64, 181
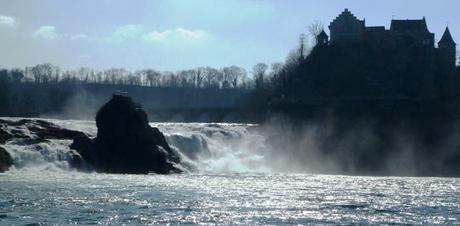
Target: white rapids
206, 147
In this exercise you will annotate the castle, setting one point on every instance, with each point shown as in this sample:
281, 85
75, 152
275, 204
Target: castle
346, 27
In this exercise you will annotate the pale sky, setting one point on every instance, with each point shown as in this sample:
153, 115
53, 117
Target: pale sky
182, 34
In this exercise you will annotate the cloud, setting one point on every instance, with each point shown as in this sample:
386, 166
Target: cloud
177, 35
137, 32
7, 21
156, 36
46, 32
126, 32
49, 32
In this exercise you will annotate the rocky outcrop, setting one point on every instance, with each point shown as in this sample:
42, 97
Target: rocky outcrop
125, 142
5, 160
33, 132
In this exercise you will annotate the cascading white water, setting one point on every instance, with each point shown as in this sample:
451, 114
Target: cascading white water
203, 147
217, 147
54, 155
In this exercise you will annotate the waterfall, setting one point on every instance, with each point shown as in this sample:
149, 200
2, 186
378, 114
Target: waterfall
203, 147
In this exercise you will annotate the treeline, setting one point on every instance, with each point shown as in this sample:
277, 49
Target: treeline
232, 77
47, 90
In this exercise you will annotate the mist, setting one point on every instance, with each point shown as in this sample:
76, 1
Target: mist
81, 105
329, 144
359, 147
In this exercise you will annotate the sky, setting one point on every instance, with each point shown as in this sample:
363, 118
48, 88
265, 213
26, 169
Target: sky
182, 34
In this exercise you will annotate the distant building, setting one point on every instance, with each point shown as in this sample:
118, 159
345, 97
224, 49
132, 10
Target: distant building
323, 38
447, 48
347, 27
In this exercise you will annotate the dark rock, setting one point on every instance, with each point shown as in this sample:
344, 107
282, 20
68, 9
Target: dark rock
40, 131
86, 148
5, 160
47, 130
76, 161
125, 142
4, 136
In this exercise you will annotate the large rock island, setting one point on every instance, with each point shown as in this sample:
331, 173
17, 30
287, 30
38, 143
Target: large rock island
125, 142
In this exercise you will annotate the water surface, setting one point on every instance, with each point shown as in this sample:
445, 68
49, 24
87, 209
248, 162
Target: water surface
82, 198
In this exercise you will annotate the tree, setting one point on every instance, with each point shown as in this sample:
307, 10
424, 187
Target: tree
233, 75
17, 75
44, 73
276, 67
314, 30
259, 74
276, 71
302, 47
199, 77
84, 74
152, 77
4, 92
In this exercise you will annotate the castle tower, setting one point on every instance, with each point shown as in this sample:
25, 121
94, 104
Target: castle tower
346, 27
322, 38
447, 48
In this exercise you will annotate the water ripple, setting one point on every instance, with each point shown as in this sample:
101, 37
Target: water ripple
265, 199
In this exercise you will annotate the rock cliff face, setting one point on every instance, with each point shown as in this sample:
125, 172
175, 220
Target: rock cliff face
125, 142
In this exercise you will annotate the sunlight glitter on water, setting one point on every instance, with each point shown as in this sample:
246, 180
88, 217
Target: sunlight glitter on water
65, 198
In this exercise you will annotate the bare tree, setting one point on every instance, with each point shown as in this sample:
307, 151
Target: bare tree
314, 30
276, 70
17, 75
44, 73
259, 74
302, 47
152, 77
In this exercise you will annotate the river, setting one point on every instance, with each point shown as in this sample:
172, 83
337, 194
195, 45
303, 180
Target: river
229, 180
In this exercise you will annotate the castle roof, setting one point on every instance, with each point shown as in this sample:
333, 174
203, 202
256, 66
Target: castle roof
409, 26
323, 34
446, 37
375, 28
346, 15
